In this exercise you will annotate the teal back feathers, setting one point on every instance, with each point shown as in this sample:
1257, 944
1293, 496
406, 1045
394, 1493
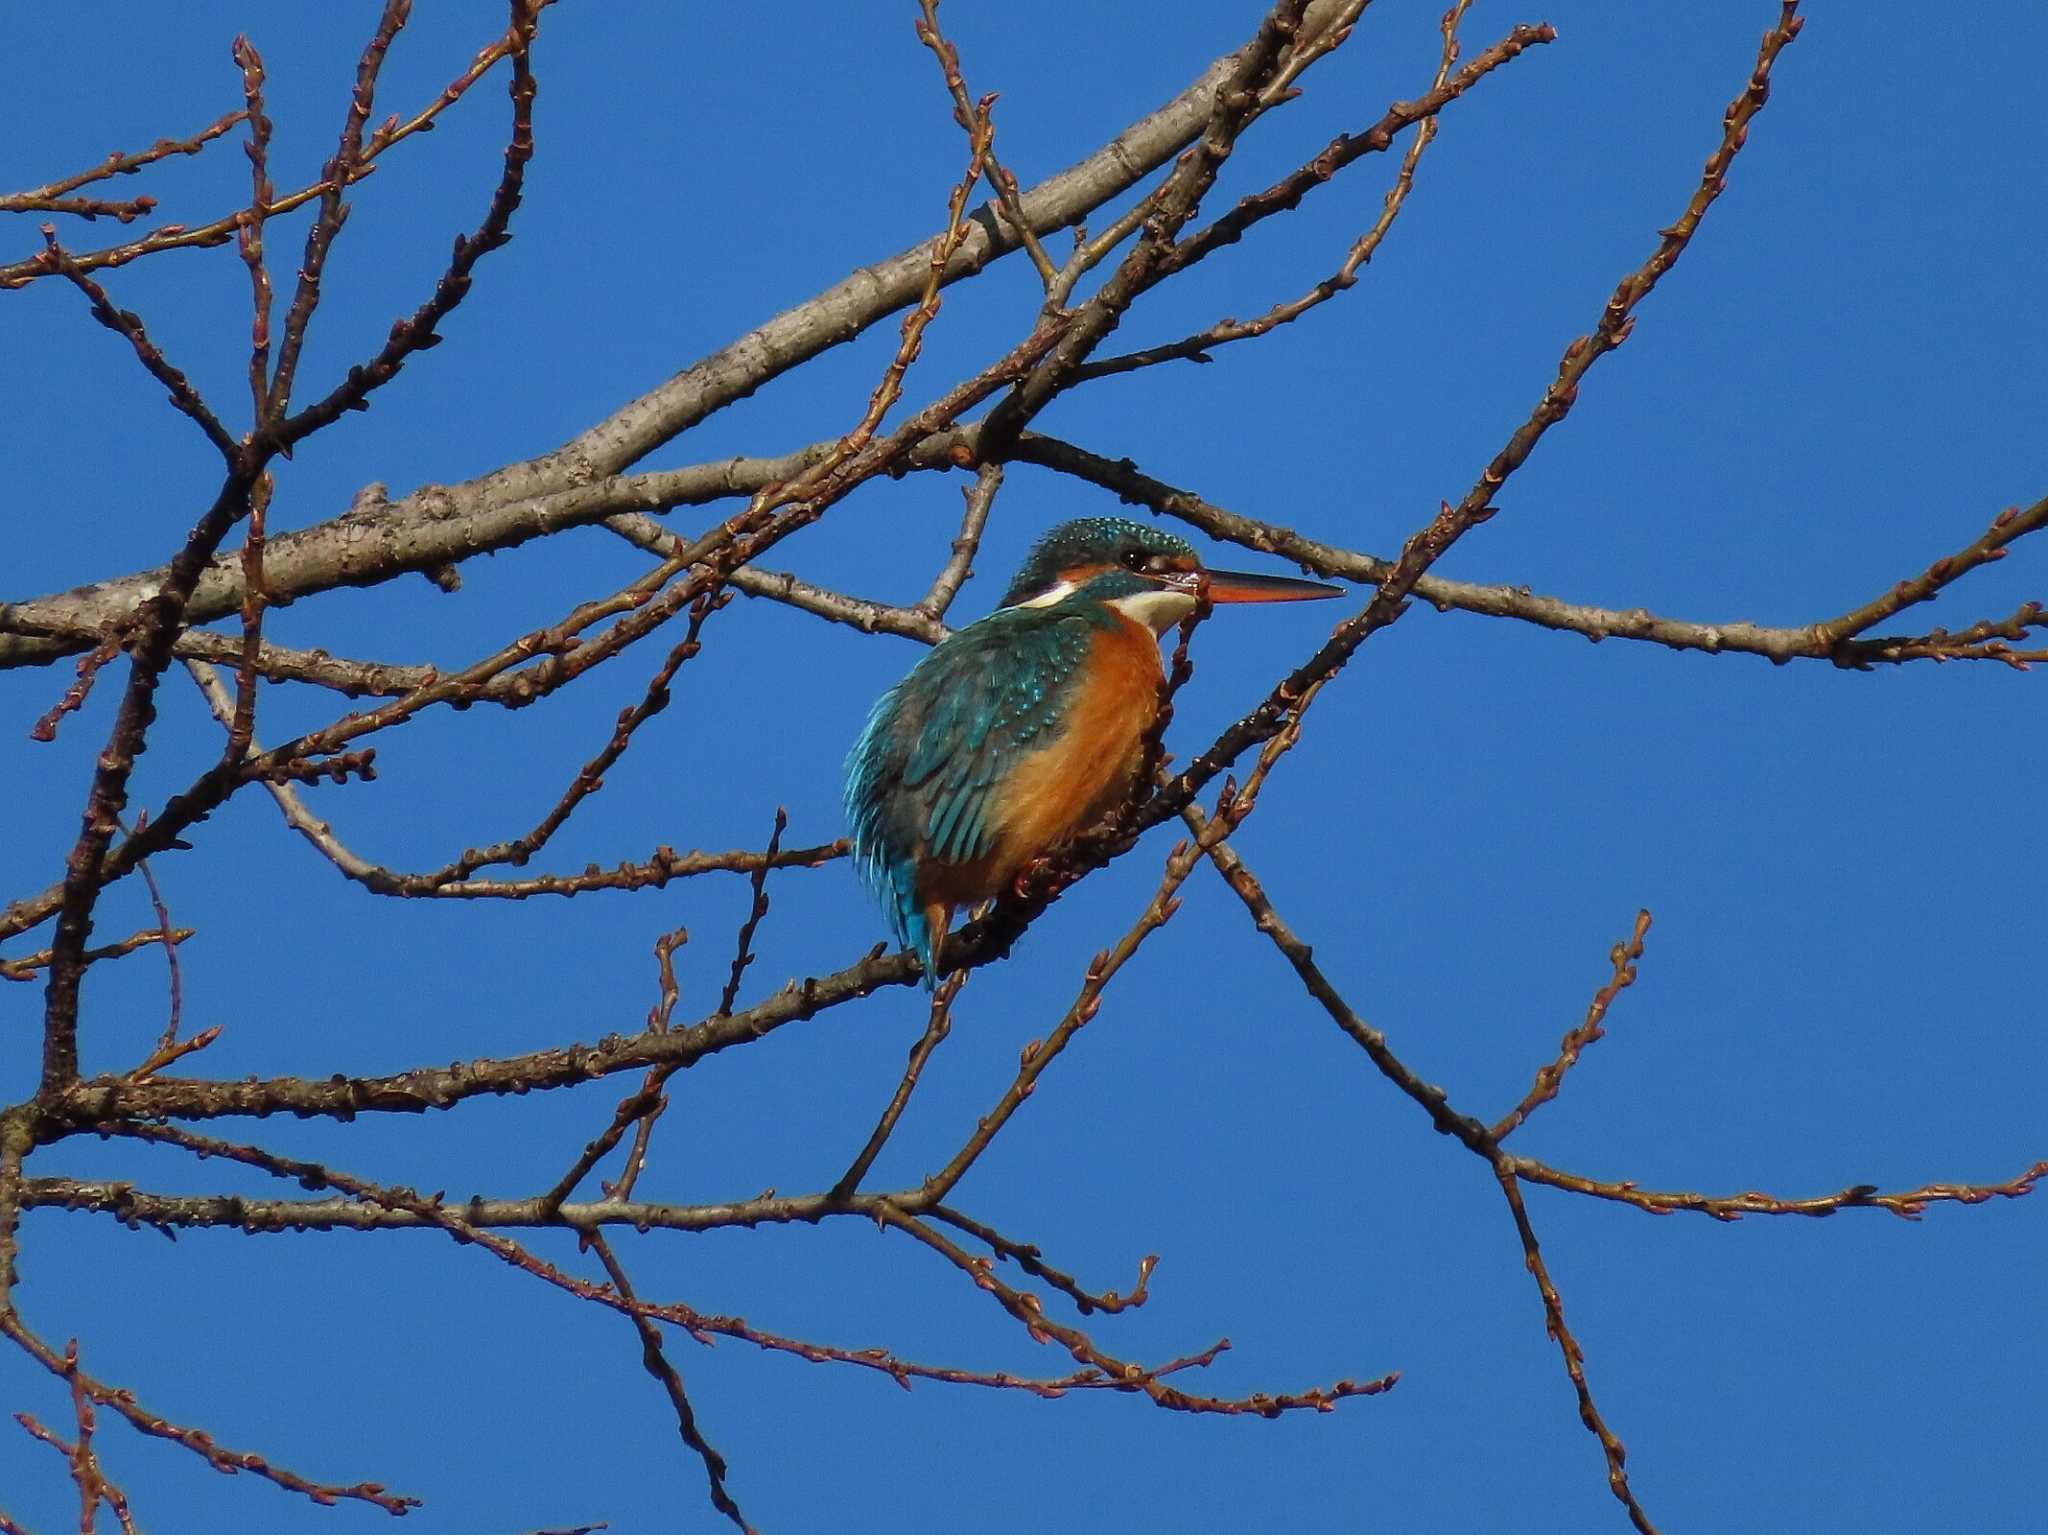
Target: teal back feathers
924, 779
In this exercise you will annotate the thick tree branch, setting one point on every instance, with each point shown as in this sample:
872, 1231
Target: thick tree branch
438, 524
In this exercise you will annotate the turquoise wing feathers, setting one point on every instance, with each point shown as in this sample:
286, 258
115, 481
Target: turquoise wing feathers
924, 779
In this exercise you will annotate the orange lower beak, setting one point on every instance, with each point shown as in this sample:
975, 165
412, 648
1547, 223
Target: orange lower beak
1242, 586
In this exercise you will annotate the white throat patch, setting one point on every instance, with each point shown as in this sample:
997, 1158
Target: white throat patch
1157, 610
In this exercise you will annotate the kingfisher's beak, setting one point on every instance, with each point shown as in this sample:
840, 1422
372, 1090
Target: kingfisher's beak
1243, 586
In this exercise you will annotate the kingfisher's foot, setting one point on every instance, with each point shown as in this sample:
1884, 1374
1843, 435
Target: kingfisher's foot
1028, 876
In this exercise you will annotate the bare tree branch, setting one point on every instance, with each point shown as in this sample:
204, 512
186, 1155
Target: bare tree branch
905, 423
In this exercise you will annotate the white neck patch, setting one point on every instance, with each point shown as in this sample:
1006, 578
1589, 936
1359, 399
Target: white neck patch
1046, 599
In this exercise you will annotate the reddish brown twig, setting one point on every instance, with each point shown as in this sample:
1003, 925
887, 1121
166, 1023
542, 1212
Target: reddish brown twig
277, 774
1232, 807
122, 211
335, 177
913, 623
665, 865
249, 234
2009, 526
1985, 640
1257, 81
128, 325
1117, 1374
118, 164
198, 1441
590, 778
980, 137
1574, 1358
1432, 1099
1345, 149
757, 909
638, 1108
416, 332
1039, 1054
1430, 543
24, 968
221, 230
1623, 958
89, 664
1909, 1204
968, 115
262, 417
94, 1486
738, 540
650, 1095
1027, 1257
169, 939
162, 616
979, 498
937, 1026
1100, 1371
337, 769
656, 1362
52, 198
1196, 347
1238, 102
169, 1051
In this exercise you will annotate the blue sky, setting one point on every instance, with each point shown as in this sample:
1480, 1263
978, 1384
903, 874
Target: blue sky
1843, 378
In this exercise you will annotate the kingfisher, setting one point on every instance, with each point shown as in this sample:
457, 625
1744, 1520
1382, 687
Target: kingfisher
1021, 730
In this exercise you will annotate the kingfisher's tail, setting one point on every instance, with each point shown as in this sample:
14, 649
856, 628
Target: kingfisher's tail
919, 928
882, 820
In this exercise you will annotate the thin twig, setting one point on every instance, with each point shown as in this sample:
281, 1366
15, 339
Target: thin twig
638, 1108
24, 968
117, 164
1100, 1372
169, 938
979, 498
644, 532
128, 325
1027, 1257
966, 114
1907, 1204
650, 1095
1231, 809
656, 1361
938, 1025
89, 665
1119, 1375
1549, 1078
94, 1486
1196, 347
1429, 544
335, 177
2006, 528
1775, 643
743, 947
198, 1441
249, 234
1574, 1358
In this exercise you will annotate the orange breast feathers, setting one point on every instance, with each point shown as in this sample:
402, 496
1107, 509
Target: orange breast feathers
1083, 774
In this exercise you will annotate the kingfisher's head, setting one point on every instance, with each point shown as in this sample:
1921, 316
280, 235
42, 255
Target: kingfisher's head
1151, 576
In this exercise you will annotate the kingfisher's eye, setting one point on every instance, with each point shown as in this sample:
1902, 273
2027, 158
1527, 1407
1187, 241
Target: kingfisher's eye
1134, 559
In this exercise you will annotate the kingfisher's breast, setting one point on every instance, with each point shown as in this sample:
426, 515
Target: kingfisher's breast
1086, 769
